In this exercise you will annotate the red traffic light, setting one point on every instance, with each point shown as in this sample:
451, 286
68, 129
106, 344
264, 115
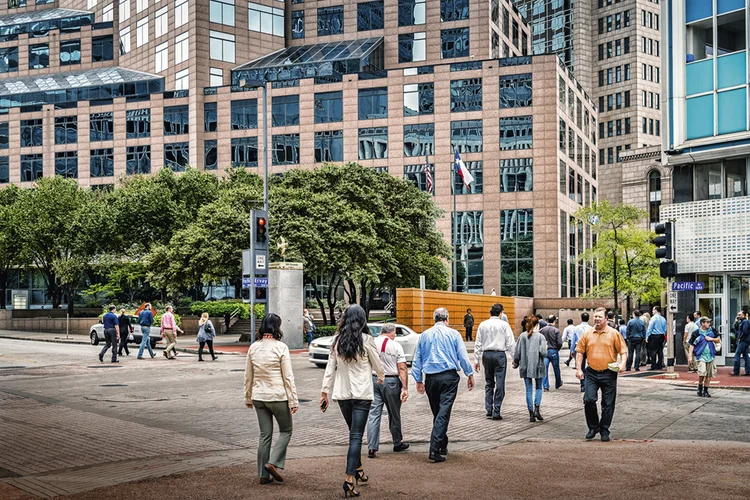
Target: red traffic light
261, 221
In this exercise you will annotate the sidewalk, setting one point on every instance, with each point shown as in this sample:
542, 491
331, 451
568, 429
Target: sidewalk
723, 379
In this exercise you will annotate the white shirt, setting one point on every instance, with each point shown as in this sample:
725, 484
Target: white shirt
568, 332
352, 379
493, 334
504, 317
392, 356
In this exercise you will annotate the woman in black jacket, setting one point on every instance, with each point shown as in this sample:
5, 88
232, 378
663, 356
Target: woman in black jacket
124, 321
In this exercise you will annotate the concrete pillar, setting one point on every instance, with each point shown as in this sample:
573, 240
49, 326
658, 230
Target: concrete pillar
286, 298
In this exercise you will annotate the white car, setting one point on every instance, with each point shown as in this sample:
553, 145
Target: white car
96, 334
408, 338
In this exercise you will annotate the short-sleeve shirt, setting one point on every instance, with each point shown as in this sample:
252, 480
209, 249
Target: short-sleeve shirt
391, 356
690, 327
110, 320
601, 348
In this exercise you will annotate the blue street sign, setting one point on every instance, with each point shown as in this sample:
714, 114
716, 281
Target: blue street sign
246, 282
261, 282
687, 286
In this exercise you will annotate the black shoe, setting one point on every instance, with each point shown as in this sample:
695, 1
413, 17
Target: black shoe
700, 390
265, 480
591, 434
532, 417
101, 358
401, 447
705, 393
200, 359
437, 458
734, 374
557, 386
141, 357
605, 438
627, 369
497, 417
443, 451
488, 414
637, 369
115, 360
546, 389
537, 414
215, 358
371, 454
567, 363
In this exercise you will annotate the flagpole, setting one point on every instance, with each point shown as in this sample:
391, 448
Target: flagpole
455, 225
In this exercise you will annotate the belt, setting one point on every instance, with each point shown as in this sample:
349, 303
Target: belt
391, 376
493, 350
599, 371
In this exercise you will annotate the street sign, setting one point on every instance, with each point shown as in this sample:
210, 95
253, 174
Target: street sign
260, 262
672, 301
246, 282
687, 286
247, 262
261, 282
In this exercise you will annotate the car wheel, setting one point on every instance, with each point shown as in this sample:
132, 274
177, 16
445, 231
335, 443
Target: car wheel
94, 338
320, 366
153, 344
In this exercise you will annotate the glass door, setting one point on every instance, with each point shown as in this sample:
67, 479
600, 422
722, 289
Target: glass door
739, 297
711, 307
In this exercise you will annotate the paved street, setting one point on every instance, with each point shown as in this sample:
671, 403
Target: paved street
71, 424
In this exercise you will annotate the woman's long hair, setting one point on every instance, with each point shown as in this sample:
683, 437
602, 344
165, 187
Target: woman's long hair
349, 343
272, 326
203, 320
531, 324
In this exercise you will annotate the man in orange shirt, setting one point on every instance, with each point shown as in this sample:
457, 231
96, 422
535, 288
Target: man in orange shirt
601, 345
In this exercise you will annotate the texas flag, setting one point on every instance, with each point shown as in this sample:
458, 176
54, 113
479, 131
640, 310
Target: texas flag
462, 171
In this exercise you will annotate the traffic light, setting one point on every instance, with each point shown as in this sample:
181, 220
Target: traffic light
663, 241
668, 269
260, 230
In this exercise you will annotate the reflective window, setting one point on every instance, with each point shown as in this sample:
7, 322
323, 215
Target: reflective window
419, 139
373, 143
373, 103
176, 120
8, 59
454, 10
370, 16
466, 136
141, 32
411, 12
66, 130
418, 175
66, 164
298, 24
124, 9
161, 61
515, 175
101, 126
467, 230
102, 48
161, 21
454, 43
329, 107
475, 168
4, 170
329, 146
412, 47
176, 156
517, 253
419, 99
330, 20
210, 117
39, 56
180, 13
32, 167
32, 133
245, 152
244, 114
138, 123
264, 19
138, 160
516, 133
102, 163
210, 155
216, 77
221, 46
285, 110
70, 52
222, 12
4, 135
181, 48
125, 40
466, 95
285, 149
515, 91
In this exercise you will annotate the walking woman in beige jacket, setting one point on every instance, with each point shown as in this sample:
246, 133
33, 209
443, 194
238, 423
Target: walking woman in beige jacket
348, 379
269, 388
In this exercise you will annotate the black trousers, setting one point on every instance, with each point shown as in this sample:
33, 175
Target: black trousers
441, 389
355, 412
656, 351
210, 344
495, 364
110, 337
123, 344
606, 381
634, 346
468, 332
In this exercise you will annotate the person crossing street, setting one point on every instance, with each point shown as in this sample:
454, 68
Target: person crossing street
494, 343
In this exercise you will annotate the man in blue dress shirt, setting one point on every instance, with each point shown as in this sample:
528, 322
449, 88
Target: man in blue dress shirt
657, 330
111, 336
440, 354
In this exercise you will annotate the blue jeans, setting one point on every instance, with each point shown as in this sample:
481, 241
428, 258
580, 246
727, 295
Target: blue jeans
355, 413
742, 353
145, 342
552, 357
537, 399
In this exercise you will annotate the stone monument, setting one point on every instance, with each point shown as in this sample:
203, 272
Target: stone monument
286, 297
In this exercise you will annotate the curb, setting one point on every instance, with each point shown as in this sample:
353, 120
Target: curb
81, 342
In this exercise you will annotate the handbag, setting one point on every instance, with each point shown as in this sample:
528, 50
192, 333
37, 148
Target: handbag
717, 346
131, 338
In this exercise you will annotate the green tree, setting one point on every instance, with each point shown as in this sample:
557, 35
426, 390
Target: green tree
623, 253
10, 242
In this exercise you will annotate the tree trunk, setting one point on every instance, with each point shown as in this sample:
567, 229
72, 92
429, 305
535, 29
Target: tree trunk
351, 291
4, 274
331, 299
71, 291
614, 280
316, 294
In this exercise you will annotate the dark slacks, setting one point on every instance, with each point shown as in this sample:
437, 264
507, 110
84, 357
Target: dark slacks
468, 332
110, 337
355, 413
634, 346
656, 351
494, 364
387, 394
606, 381
123, 344
202, 344
441, 389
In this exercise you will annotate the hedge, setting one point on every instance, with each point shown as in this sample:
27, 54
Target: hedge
325, 331
221, 308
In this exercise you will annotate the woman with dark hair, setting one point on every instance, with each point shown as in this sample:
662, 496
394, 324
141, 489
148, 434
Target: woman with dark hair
529, 359
348, 379
269, 388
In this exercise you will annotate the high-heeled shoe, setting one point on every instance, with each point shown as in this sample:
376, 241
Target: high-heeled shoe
349, 490
360, 476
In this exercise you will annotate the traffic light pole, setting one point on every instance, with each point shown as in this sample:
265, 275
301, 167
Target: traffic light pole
670, 315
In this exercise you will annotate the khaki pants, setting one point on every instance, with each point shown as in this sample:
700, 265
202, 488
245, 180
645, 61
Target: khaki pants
171, 341
692, 365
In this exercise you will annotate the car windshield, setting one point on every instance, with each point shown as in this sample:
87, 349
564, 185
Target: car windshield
375, 330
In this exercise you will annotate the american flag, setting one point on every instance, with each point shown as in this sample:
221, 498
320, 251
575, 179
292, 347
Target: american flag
428, 176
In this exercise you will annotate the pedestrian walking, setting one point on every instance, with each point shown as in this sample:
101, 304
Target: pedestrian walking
468, 324
111, 336
124, 328
145, 320
690, 327
742, 331
554, 343
645, 356
494, 342
308, 324
270, 389
623, 329
169, 331
206, 336
657, 330
635, 335
611, 319
529, 357
568, 333
440, 354
703, 350
391, 393
348, 380
600, 345
580, 329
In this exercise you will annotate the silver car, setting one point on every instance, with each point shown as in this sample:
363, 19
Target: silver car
96, 334
408, 338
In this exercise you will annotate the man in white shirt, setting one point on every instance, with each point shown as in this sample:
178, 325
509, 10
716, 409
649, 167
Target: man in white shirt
392, 392
494, 339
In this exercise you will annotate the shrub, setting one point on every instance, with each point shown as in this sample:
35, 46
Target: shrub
325, 331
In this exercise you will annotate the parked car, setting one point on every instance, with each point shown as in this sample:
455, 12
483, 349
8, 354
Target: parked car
97, 333
408, 338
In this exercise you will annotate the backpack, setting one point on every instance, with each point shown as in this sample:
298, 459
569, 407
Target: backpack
207, 328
